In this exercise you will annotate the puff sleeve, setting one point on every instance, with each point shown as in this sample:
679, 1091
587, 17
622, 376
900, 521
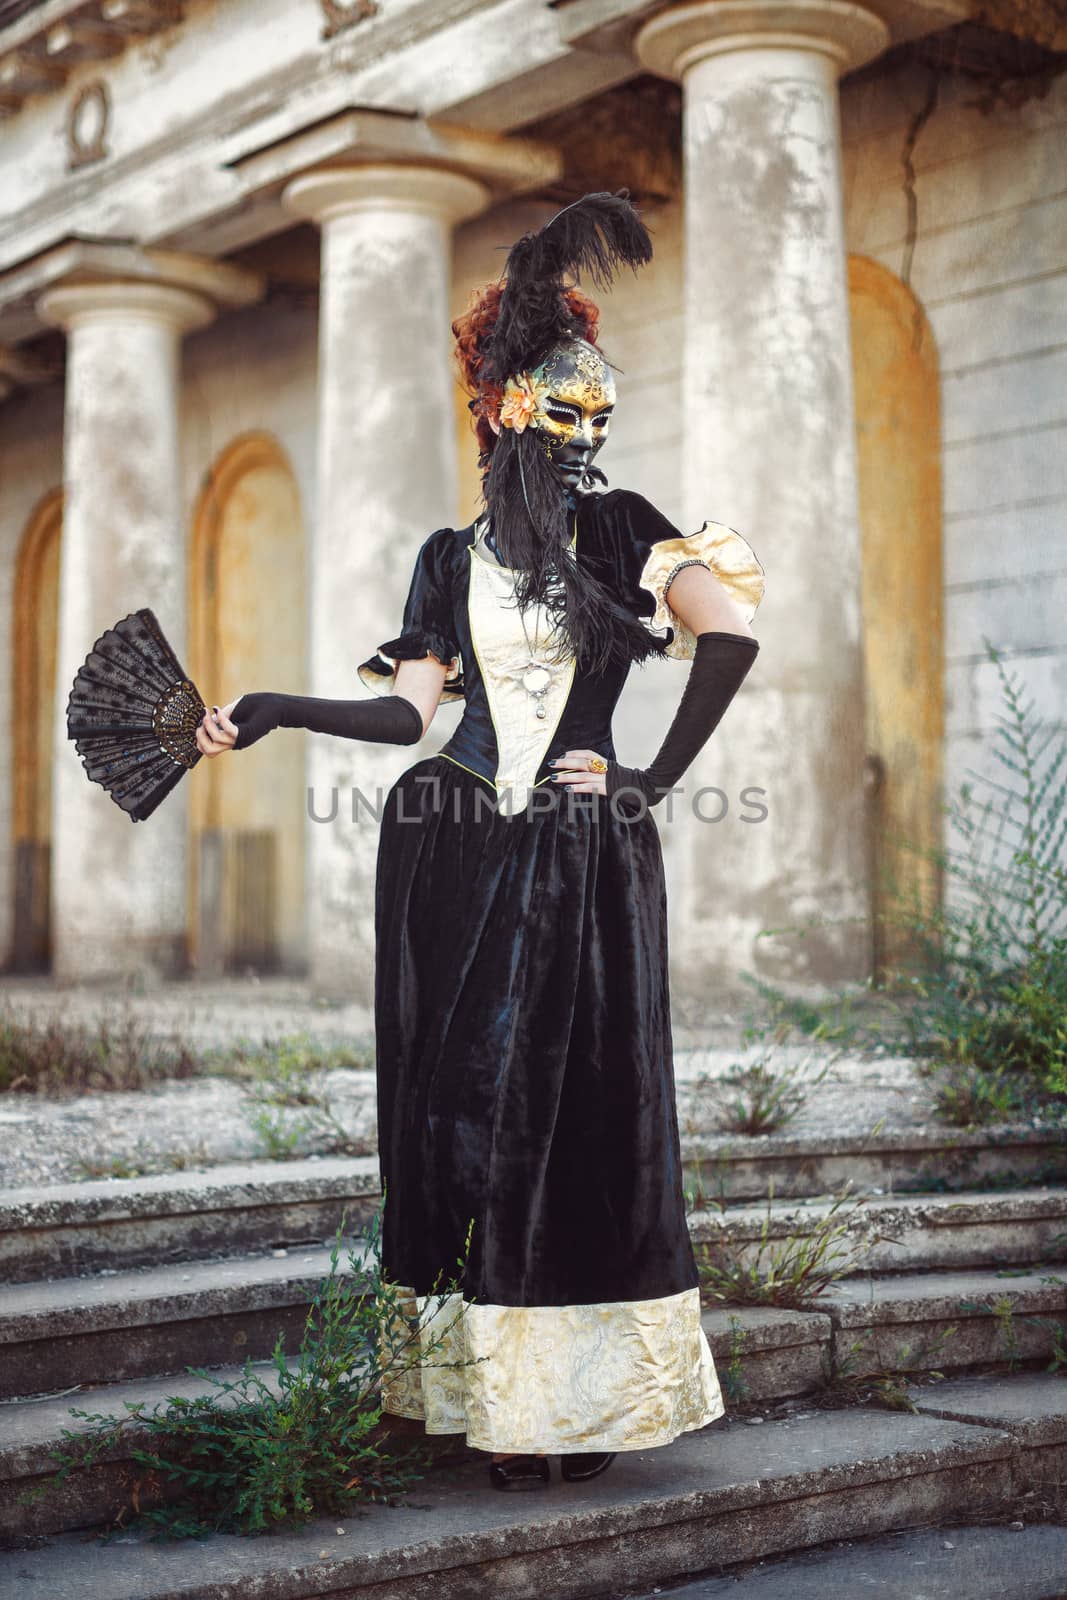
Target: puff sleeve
428, 623
654, 551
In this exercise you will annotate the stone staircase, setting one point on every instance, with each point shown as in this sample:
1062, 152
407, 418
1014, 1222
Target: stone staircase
114, 1288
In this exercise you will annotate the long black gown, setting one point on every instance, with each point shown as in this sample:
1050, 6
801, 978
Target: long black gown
524, 1053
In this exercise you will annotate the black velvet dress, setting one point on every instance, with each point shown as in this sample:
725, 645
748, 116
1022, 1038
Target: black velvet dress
524, 1053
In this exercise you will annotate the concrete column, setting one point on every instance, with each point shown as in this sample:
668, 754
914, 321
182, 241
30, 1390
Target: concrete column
387, 478
769, 448
118, 888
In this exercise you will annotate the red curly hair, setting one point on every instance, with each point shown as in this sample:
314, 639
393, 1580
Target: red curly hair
472, 331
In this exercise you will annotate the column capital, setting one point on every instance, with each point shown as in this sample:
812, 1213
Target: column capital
673, 41
386, 186
85, 264
72, 305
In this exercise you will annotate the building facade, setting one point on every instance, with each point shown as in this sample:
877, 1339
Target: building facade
233, 235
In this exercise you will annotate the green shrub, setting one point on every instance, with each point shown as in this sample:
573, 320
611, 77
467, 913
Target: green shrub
983, 1005
251, 1454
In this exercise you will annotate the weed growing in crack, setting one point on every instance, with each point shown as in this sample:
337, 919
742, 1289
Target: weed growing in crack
733, 1378
790, 1269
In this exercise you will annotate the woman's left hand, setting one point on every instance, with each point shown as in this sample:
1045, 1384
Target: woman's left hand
215, 732
572, 768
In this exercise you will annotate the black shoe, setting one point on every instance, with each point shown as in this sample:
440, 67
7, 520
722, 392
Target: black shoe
577, 1468
520, 1472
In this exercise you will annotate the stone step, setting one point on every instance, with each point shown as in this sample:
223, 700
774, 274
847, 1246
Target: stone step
768, 1353
153, 1320
907, 1233
920, 1564
763, 1354
776, 1354
177, 1216
905, 1323
142, 1321
734, 1167
147, 1321
1031, 1406
723, 1495
924, 1322
31, 1431
232, 1210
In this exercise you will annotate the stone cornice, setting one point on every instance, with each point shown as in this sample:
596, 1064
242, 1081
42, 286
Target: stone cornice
507, 166
41, 48
86, 261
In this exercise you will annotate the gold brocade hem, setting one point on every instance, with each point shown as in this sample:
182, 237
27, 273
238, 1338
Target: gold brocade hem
620, 1375
728, 556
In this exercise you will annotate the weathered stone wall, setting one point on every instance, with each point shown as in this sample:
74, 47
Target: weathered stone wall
989, 267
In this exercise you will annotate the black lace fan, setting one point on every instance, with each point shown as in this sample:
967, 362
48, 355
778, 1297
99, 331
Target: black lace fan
133, 715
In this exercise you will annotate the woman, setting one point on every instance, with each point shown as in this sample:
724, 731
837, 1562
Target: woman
524, 1058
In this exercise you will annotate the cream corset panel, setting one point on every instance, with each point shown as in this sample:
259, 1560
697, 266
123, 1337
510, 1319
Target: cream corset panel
504, 660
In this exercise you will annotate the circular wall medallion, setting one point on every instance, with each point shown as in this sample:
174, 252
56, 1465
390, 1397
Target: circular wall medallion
87, 124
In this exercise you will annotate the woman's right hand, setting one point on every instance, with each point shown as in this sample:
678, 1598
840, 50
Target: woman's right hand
216, 732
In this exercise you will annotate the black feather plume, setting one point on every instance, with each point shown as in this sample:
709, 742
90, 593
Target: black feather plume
596, 235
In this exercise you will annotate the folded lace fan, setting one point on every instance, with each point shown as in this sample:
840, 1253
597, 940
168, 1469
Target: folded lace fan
133, 715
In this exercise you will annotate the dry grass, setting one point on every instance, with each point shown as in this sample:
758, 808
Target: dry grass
60, 1057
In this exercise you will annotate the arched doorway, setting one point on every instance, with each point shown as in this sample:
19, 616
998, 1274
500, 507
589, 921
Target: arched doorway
36, 615
898, 429
248, 616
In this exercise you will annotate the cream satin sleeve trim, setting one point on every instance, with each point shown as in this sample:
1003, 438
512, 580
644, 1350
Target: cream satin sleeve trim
727, 555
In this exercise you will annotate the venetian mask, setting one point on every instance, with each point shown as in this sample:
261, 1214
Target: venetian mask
567, 401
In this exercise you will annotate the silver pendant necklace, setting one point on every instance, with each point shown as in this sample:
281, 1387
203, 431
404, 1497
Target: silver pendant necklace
536, 678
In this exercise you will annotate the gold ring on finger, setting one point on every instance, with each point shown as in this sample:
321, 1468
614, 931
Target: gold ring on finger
597, 764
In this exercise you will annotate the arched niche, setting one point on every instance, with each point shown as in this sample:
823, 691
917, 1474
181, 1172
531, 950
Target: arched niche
898, 432
36, 617
248, 620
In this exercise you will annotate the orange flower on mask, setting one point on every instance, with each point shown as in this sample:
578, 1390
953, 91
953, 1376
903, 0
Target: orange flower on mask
519, 403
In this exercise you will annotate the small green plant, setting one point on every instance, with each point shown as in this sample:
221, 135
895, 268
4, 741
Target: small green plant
968, 1096
1057, 1335
286, 1057
846, 1019
733, 1378
257, 1453
697, 1198
91, 1167
143, 1163
765, 1095
288, 1077
792, 1269
865, 1371
1004, 1312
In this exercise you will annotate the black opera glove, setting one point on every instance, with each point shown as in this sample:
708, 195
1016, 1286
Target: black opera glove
382, 719
721, 662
